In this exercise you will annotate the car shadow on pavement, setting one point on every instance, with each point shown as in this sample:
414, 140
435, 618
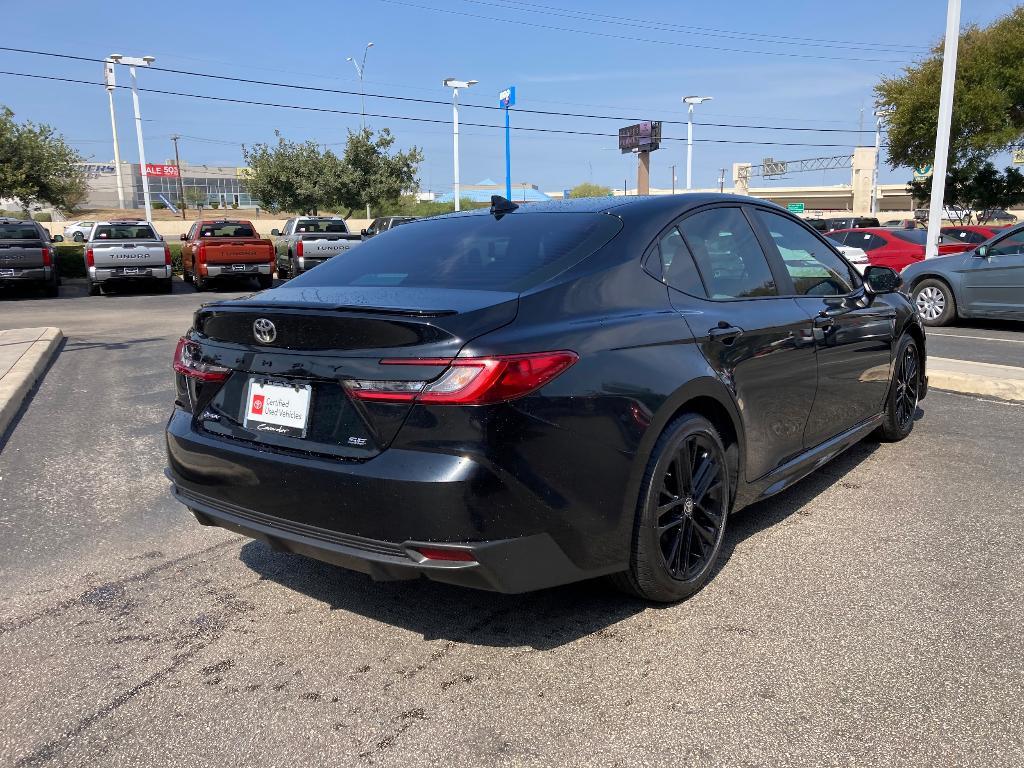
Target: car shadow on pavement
541, 620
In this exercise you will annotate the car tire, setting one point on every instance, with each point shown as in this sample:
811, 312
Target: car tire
282, 271
904, 393
293, 267
95, 289
935, 302
186, 275
201, 283
681, 513
265, 281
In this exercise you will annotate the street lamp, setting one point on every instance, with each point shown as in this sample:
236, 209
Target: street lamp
690, 101
132, 62
111, 83
360, 69
451, 82
880, 115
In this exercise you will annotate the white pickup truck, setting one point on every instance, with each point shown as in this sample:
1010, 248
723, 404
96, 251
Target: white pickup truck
126, 251
307, 241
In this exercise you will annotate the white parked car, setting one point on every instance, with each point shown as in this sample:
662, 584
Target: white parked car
78, 230
855, 256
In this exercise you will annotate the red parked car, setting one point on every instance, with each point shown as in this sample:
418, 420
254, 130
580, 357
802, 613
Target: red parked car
972, 234
895, 248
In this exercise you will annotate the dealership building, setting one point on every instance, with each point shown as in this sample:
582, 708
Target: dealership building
205, 184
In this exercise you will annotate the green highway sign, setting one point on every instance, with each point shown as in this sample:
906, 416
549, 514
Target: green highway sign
795, 207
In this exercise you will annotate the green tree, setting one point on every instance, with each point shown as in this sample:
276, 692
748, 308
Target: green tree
37, 165
977, 188
194, 196
300, 178
586, 189
373, 175
988, 104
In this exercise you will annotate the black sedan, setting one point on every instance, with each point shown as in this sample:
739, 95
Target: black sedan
523, 397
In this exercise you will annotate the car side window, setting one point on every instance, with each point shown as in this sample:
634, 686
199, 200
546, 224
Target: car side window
192, 231
1013, 245
816, 270
677, 267
863, 240
728, 254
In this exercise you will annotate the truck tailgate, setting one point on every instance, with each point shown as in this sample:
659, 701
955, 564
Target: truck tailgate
319, 246
24, 255
238, 251
127, 254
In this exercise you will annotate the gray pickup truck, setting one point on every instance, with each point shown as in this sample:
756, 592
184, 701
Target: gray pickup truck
27, 256
126, 251
310, 240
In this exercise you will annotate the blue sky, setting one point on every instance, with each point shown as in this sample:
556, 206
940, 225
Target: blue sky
627, 61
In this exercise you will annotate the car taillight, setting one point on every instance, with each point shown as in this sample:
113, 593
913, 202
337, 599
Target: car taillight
90, 259
167, 254
47, 258
298, 249
201, 253
188, 362
469, 380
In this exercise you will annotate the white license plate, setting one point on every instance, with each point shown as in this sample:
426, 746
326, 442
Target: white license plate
6, 273
131, 270
276, 408
238, 267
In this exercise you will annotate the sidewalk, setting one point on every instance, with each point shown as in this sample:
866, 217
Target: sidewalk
1005, 382
24, 355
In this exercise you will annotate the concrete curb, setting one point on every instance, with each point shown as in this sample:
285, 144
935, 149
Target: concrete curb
1005, 382
19, 380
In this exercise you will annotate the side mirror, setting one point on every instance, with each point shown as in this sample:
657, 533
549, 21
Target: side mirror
184, 237
58, 238
981, 252
882, 280
364, 231
275, 232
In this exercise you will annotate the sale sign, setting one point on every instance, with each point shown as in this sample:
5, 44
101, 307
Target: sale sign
162, 170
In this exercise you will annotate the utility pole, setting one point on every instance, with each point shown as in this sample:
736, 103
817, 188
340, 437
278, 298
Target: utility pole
673, 179
451, 82
879, 116
690, 101
111, 80
132, 62
177, 164
360, 70
942, 133
721, 180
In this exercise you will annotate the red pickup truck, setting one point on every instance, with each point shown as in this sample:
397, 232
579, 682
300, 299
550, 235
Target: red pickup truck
226, 248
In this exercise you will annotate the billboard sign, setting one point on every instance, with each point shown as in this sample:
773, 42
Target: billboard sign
170, 171
507, 98
641, 137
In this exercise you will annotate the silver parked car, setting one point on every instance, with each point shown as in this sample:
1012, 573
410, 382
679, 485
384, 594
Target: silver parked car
78, 230
987, 281
119, 252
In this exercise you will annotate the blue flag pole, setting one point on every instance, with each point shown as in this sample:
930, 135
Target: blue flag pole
508, 160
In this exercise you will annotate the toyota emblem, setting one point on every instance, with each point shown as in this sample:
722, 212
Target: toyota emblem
264, 331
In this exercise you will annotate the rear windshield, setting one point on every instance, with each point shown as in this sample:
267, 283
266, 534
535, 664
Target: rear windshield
227, 229
124, 232
323, 225
484, 253
18, 232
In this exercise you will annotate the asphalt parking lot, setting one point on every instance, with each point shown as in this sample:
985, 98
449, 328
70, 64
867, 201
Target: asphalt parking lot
870, 615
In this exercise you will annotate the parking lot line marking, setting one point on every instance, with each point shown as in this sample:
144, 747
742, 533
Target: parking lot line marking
979, 338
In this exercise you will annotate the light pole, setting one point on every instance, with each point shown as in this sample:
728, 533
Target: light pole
451, 82
132, 62
111, 80
942, 133
880, 114
689, 101
360, 69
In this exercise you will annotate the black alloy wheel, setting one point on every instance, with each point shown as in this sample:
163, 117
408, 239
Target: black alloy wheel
907, 387
683, 513
904, 392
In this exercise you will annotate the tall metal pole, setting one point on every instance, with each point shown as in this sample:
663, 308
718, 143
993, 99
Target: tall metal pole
673, 179
142, 146
181, 183
117, 149
874, 178
721, 179
942, 133
689, 146
455, 138
508, 160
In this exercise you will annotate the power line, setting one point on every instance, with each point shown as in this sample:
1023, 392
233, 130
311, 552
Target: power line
440, 102
327, 110
595, 33
757, 37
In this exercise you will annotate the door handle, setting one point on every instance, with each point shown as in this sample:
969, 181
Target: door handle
725, 333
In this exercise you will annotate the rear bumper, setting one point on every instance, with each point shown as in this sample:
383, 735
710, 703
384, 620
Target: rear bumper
30, 274
513, 565
367, 515
229, 270
102, 274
